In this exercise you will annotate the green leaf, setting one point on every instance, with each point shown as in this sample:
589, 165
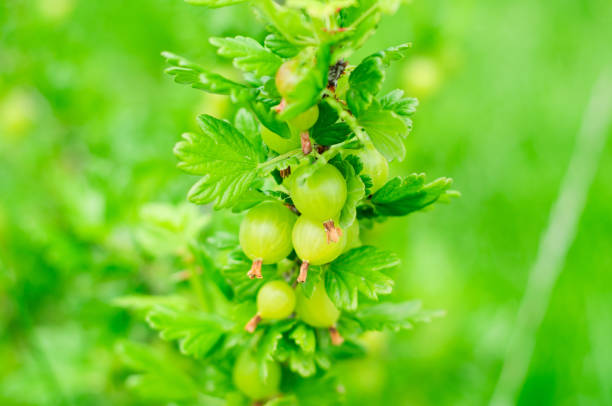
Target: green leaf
247, 125
166, 229
292, 24
304, 337
215, 3
188, 73
197, 333
318, 391
159, 379
366, 80
248, 54
355, 191
302, 363
359, 271
362, 21
250, 198
236, 274
225, 158
386, 131
280, 46
395, 101
394, 316
403, 195
327, 130
268, 344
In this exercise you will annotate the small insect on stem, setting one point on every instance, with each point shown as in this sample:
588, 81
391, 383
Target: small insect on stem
335, 71
252, 324
333, 233
303, 272
255, 271
336, 338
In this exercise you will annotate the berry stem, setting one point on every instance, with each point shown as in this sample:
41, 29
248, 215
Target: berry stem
303, 272
306, 144
333, 233
252, 324
336, 338
255, 271
281, 106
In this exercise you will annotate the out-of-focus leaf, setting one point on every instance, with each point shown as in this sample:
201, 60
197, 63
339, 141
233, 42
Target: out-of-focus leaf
248, 54
159, 378
188, 73
394, 316
197, 333
215, 3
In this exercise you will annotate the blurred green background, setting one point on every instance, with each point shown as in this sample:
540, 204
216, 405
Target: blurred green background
88, 122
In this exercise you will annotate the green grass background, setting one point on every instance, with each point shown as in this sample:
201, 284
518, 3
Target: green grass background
88, 121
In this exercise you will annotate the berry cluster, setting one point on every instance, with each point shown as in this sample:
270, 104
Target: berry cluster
307, 158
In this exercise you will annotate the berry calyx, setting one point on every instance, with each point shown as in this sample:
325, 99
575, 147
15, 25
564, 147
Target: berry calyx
319, 195
375, 165
275, 300
333, 233
247, 379
318, 310
265, 235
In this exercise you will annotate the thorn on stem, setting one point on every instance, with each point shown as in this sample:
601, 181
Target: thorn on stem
255, 271
252, 324
333, 233
336, 338
305, 141
303, 272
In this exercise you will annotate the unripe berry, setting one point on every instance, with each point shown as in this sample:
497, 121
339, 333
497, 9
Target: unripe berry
247, 379
279, 144
305, 120
286, 78
312, 245
265, 234
318, 311
275, 300
374, 165
319, 195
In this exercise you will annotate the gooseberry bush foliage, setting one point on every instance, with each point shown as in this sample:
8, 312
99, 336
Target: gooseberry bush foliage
305, 164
